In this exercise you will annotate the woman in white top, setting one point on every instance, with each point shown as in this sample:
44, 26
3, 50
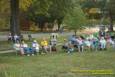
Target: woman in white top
35, 46
25, 48
102, 43
17, 46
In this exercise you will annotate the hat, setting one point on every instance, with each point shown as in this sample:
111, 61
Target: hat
35, 41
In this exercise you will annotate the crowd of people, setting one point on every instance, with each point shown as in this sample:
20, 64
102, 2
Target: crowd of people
73, 43
90, 42
45, 46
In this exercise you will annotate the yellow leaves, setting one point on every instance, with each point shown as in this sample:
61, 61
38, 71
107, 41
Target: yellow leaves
4, 6
94, 10
24, 4
33, 27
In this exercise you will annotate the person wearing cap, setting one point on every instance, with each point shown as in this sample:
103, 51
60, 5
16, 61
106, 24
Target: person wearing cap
35, 46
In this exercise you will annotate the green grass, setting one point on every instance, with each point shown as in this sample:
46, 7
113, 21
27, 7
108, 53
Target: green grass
57, 64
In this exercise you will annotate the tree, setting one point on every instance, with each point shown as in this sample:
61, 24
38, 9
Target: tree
76, 19
43, 11
111, 12
4, 14
38, 12
25, 4
58, 10
14, 20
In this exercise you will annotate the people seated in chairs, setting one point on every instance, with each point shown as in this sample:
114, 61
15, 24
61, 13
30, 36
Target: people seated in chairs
53, 43
65, 45
80, 45
17, 47
68, 46
103, 43
44, 44
35, 47
27, 50
95, 44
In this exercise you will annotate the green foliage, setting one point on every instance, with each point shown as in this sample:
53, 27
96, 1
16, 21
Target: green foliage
25, 4
4, 14
111, 7
39, 7
76, 19
59, 8
48, 11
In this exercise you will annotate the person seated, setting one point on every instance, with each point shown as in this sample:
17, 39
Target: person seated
44, 44
102, 43
70, 48
80, 44
17, 47
95, 44
28, 51
35, 47
87, 43
53, 43
65, 45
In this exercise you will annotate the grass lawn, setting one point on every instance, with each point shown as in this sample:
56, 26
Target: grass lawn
57, 64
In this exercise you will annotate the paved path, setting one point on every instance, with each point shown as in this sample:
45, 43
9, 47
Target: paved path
7, 51
3, 37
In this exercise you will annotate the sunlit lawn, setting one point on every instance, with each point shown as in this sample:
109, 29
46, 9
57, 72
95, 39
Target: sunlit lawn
58, 64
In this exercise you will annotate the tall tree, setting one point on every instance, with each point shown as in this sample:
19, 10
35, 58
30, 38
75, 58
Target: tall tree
14, 21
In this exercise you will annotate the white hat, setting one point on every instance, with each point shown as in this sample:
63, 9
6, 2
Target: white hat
35, 41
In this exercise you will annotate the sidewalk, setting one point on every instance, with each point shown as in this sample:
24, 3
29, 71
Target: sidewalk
7, 51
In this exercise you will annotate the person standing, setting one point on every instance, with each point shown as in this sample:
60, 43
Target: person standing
16, 38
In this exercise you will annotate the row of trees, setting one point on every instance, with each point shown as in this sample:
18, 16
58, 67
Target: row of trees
46, 11
106, 11
74, 13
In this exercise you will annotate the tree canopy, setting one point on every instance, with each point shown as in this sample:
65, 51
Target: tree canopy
75, 19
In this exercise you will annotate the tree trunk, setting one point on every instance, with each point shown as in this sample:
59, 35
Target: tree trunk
14, 20
111, 21
75, 31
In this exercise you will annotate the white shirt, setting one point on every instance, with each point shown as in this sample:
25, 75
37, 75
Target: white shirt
103, 41
24, 45
35, 45
88, 43
17, 46
16, 37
